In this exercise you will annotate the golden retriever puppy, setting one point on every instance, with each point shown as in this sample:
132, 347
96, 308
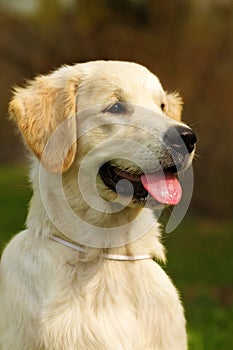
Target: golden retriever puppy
107, 147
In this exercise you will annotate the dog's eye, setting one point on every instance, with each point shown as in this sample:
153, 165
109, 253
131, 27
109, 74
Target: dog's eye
163, 106
117, 108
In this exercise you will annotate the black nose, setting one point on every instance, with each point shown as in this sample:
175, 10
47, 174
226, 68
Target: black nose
180, 138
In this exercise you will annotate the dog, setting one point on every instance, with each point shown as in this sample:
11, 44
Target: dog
107, 146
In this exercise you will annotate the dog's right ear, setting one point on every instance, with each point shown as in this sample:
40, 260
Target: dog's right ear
45, 113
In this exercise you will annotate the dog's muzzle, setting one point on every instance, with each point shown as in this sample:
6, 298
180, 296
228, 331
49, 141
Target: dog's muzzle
161, 183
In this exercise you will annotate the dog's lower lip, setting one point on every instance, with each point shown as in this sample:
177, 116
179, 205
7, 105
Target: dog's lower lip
125, 175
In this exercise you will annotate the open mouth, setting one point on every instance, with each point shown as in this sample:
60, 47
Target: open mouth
163, 186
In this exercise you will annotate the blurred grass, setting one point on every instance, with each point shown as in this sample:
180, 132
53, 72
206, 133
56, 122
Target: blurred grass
200, 262
15, 194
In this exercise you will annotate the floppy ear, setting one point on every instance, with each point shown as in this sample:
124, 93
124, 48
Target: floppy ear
174, 105
40, 109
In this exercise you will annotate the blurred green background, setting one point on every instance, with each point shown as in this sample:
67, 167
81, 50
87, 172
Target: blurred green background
188, 44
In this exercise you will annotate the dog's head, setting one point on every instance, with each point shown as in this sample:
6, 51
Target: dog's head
114, 122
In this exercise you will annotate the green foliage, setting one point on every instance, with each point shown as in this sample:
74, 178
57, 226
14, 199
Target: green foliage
200, 262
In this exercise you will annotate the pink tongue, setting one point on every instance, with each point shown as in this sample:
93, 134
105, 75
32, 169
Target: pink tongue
164, 189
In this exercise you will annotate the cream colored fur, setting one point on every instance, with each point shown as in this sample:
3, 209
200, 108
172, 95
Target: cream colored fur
52, 297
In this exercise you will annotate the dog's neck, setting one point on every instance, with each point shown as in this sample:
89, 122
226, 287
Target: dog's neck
131, 222
108, 256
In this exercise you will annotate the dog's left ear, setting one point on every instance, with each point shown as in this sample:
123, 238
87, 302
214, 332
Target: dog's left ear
174, 105
45, 112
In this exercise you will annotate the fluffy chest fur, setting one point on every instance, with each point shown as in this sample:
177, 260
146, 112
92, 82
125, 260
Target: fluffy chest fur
100, 304
108, 305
